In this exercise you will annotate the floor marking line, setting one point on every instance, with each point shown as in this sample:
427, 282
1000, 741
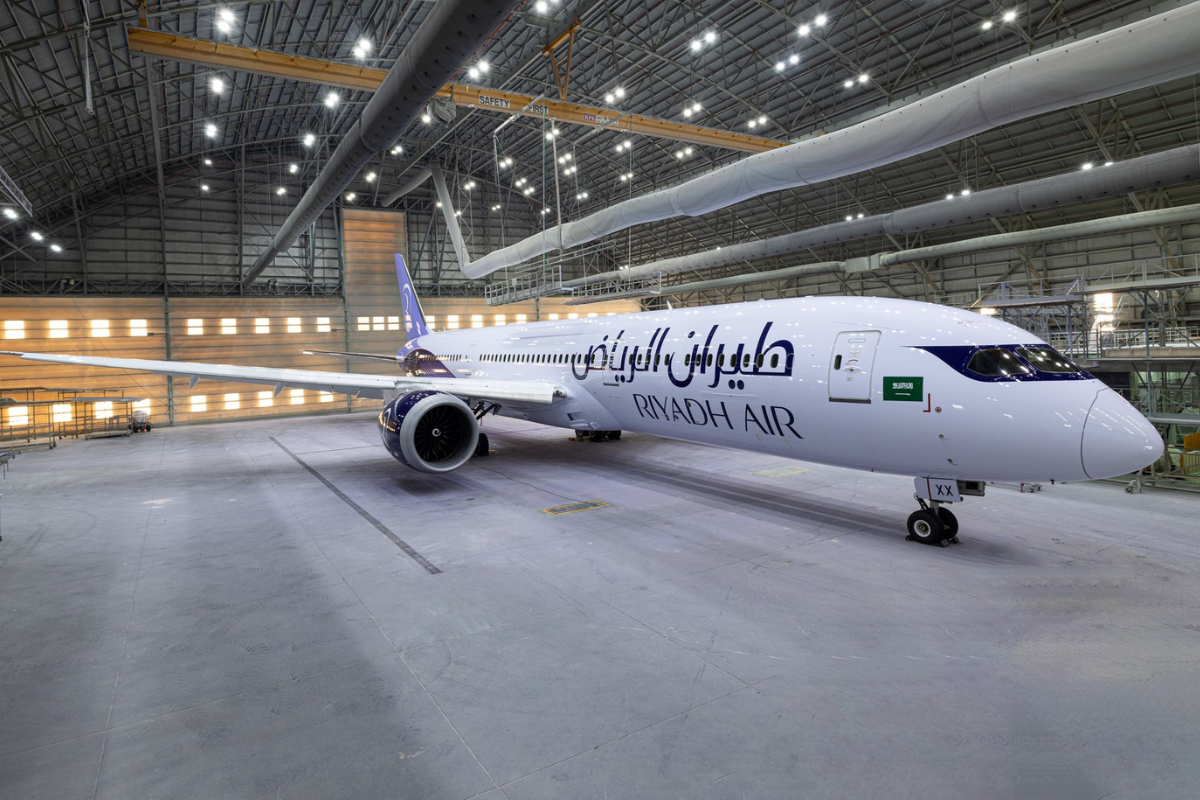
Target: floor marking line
429, 567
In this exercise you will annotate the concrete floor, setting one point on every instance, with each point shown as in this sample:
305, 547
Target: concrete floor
194, 613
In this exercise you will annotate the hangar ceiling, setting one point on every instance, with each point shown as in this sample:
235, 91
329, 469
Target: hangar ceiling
159, 131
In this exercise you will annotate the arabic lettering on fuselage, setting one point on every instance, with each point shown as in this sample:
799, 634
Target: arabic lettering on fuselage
712, 362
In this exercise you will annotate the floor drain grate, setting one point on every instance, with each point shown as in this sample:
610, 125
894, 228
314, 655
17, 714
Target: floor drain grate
571, 508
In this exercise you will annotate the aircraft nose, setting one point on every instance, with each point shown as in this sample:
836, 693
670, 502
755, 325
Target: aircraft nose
1117, 439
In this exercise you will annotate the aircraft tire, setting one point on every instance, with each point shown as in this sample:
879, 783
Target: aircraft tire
925, 528
481, 446
949, 522
599, 436
614, 435
582, 436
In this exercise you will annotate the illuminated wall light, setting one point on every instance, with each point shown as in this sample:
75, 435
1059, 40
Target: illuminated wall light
452, 322
100, 328
293, 325
232, 402
199, 403
61, 412
296, 397
138, 327
364, 323
477, 320
323, 325
393, 323
195, 327
103, 409
265, 399
326, 397
500, 319
58, 329
262, 325
17, 415
228, 326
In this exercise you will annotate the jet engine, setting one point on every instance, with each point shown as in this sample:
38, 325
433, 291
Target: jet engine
429, 431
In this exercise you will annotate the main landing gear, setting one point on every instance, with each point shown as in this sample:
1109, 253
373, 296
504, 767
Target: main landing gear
597, 436
933, 524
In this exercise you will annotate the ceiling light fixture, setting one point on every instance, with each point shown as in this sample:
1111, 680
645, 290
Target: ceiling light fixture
1010, 16
805, 30
350, 196
216, 85
281, 191
56, 248
371, 176
309, 140
293, 168
821, 20
210, 130
204, 187
37, 237
331, 100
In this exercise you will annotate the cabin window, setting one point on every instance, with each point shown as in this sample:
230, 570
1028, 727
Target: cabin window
687, 359
996, 362
837, 362
1047, 359
746, 361
775, 361
758, 362
708, 361
721, 360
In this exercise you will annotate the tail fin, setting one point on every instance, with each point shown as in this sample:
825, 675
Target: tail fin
414, 317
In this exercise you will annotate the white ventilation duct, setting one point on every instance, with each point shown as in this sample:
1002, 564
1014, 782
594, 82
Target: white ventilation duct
1131, 57
1181, 165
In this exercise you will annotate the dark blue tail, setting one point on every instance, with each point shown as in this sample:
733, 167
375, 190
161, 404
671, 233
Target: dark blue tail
414, 317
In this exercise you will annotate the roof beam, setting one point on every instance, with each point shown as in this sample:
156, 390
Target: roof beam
329, 73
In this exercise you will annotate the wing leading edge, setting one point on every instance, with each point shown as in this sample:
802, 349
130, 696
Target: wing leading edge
371, 386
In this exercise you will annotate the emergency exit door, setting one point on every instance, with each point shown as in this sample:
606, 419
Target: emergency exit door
851, 365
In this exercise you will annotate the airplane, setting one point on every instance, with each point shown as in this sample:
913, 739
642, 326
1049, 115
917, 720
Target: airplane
950, 396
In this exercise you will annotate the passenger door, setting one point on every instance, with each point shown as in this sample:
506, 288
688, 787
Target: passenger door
851, 365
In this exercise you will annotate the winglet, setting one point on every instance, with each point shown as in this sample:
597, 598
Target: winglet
414, 317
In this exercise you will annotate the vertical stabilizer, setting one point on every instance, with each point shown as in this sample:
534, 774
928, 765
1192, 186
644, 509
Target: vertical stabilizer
414, 317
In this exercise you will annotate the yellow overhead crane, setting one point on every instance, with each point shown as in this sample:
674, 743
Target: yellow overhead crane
345, 76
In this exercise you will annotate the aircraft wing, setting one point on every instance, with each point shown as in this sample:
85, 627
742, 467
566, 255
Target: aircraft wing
376, 386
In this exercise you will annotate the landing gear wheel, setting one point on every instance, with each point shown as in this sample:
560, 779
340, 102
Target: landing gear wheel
614, 436
582, 436
926, 528
481, 447
949, 524
599, 436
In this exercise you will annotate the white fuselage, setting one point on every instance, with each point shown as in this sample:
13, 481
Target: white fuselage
844, 381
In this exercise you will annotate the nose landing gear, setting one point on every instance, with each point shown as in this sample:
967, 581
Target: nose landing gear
932, 524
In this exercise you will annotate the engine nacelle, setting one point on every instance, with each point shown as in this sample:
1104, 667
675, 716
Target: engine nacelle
429, 431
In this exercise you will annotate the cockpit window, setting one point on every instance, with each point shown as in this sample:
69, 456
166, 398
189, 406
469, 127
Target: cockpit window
1047, 359
996, 362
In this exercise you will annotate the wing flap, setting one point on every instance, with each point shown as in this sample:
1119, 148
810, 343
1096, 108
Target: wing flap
372, 386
